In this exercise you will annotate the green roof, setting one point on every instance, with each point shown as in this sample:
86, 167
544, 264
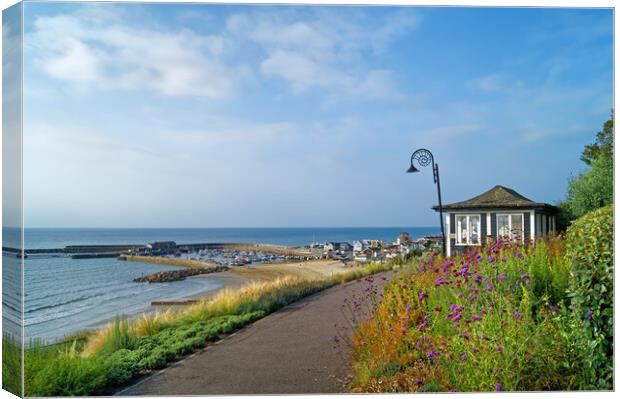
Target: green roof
497, 197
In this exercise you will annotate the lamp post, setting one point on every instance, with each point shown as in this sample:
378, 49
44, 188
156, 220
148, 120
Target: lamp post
424, 158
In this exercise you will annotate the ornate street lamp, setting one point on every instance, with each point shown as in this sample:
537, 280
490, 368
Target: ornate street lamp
424, 158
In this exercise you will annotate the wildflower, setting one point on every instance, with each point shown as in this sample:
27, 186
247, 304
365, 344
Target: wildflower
589, 314
520, 256
422, 295
403, 331
460, 295
463, 357
418, 382
422, 268
525, 277
432, 353
517, 316
498, 387
502, 277
554, 308
422, 326
484, 311
490, 287
499, 348
439, 281
476, 318
491, 259
503, 260
435, 253
475, 350
456, 317
471, 298
408, 309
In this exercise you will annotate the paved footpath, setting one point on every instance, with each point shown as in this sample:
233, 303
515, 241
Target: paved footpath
287, 352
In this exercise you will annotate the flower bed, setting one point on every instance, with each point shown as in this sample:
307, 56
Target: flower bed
492, 320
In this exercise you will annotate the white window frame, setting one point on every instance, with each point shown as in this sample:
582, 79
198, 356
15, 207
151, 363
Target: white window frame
510, 215
458, 239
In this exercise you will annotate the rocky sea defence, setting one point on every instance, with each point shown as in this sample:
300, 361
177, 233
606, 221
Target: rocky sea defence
176, 275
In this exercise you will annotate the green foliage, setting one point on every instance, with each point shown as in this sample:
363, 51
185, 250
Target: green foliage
120, 336
69, 376
590, 251
11, 365
604, 145
592, 189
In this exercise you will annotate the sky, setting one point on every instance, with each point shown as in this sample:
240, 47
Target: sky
154, 115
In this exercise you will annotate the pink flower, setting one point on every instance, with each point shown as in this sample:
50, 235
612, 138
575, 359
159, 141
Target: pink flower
501, 277
422, 295
499, 348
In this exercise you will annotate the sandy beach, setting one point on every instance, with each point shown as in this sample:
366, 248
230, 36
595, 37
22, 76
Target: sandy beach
239, 276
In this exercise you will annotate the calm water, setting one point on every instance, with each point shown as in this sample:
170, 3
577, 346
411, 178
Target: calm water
65, 295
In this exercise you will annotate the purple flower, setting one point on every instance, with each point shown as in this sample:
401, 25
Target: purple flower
491, 259
403, 331
489, 287
423, 295
408, 309
498, 387
431, 354
463, 357
517, 316
422, 326
475, 350
554, 308
525, 277
456, 317
499, 348
476, 318
589, 314
503, 260
439, 281
502, 277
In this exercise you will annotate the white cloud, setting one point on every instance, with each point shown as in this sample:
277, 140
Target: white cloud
326, 50
99, 52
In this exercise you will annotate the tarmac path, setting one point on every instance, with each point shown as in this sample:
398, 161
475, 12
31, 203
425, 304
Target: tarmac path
288, 352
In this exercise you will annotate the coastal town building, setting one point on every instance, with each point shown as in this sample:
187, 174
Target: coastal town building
498, 213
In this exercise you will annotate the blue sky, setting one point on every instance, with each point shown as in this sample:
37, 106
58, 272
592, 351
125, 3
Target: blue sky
226, 116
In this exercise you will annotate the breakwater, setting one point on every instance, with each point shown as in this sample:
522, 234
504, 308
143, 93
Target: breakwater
162, 260
176, 275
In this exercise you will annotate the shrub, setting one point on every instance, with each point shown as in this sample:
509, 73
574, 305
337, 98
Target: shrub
69, 376
589, 251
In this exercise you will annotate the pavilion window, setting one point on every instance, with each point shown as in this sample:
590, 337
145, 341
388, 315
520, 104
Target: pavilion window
467, 229
510, 226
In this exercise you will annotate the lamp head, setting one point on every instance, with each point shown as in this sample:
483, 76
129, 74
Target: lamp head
412, 169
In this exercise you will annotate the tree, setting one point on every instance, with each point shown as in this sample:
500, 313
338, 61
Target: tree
592, 189
604, 144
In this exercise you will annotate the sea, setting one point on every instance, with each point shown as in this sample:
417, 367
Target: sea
63, 296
